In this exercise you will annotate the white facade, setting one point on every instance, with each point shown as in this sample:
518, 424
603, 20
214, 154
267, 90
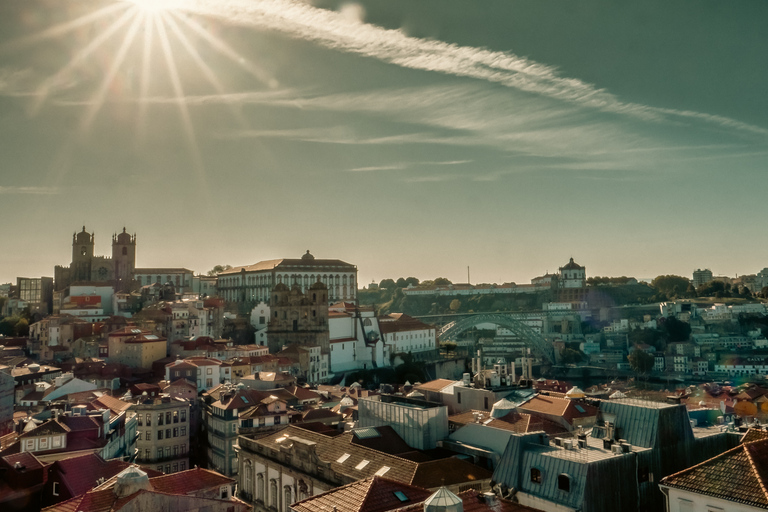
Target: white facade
680, 500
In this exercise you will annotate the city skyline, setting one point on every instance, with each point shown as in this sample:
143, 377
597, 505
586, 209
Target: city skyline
407, 139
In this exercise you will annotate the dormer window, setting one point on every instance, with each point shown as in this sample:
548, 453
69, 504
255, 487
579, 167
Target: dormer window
564, 482
536, 475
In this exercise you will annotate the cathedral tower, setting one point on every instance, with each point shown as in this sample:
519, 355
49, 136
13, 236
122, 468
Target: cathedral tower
82, 256
124, 260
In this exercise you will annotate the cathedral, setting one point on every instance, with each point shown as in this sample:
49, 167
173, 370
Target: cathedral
86, 267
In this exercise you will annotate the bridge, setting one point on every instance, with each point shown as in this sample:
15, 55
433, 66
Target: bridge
512, 322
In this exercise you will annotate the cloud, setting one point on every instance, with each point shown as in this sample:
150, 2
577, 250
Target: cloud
378, 168
46, 191
341, 32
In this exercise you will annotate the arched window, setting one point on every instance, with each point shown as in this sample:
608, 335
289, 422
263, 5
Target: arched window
564, 482
260, 486
248, 478
535, 475
287, 498
125, 251
273, 493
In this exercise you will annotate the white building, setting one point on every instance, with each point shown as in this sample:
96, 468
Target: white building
572, 275
254, 283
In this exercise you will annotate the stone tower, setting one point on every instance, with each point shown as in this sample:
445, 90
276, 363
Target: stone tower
124, 260
82, 256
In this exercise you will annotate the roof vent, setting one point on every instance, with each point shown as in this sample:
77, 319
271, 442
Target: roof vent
617, 449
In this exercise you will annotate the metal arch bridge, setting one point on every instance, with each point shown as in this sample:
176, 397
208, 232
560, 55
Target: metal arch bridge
533, 339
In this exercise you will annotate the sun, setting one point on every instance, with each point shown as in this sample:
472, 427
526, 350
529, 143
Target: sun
149, 6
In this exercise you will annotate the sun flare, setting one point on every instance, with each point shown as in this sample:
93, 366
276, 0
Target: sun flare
156, 5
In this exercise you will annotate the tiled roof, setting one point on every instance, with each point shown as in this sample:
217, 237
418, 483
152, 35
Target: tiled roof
26, 459
79, 423
754, 434
50, 427
555, 406
450, 471
376, 494
79, 474
739, 475
513, 421
435, 385
189, 482
474, 501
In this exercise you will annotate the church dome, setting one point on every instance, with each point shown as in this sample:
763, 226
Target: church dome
307, 256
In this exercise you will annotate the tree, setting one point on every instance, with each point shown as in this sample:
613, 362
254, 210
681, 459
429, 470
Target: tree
411, 281
218, 269
676, 330
641, 362
401, 283
455, 305
670, 285
22, 327
442, 281
570, 356
387, 284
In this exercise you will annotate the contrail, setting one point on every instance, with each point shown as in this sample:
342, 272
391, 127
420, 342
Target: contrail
336, 31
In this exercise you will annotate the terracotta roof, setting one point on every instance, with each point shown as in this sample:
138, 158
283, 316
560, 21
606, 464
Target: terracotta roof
754, 434
190, 481
739, 475
450, 471
376, 494
26, 459
474, 501
555, 406
513, 421
50, 427
79, 474
435, 385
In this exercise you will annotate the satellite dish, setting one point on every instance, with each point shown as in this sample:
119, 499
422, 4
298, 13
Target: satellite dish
722, 406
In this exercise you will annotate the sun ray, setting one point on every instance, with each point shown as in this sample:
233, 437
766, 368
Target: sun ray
146, 60
204, 68
117, 61
63, 28
44, 89
227, 51
186, 120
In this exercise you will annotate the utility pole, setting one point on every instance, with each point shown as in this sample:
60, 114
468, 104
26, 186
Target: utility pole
467, 274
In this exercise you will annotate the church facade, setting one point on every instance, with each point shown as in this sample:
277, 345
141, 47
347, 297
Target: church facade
87, 267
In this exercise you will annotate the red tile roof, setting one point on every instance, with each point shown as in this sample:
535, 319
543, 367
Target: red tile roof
375, 494
80, 474
739, 475
190, 482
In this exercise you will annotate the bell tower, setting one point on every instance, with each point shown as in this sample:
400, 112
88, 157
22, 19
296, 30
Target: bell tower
123, 259
82, 256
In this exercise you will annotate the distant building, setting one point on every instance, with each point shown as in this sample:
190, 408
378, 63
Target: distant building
251, 284
420, 423
701, 277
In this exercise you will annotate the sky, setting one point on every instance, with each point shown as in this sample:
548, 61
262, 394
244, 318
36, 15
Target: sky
410, 138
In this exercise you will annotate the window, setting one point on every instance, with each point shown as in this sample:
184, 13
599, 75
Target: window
273, 493
159, 453
167, 451
139, 421
564, 482
175, 450
277, 420
55, 488
535, 476
149, 435
183, 466
175, 467
159, 435
160, 419
183, 415
149, 420
643, 474
183, 431
176, 432
167, 433
458, 397
175, 416
139, 435
209, 371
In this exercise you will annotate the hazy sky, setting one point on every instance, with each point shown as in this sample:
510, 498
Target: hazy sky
406, 137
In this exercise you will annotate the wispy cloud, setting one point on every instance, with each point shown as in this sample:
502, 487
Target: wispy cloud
45, 191
378, 168
345, 33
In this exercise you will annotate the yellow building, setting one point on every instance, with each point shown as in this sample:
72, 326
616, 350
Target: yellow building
135, 348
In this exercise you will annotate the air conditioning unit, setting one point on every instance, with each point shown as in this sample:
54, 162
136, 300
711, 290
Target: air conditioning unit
626, 447
617, 449
568, 443
558, 441
582, 443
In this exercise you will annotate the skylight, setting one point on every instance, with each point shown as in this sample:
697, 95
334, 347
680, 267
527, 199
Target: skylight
362, 464
383, 470
580, 409
245, 400
342, 458
401, 496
